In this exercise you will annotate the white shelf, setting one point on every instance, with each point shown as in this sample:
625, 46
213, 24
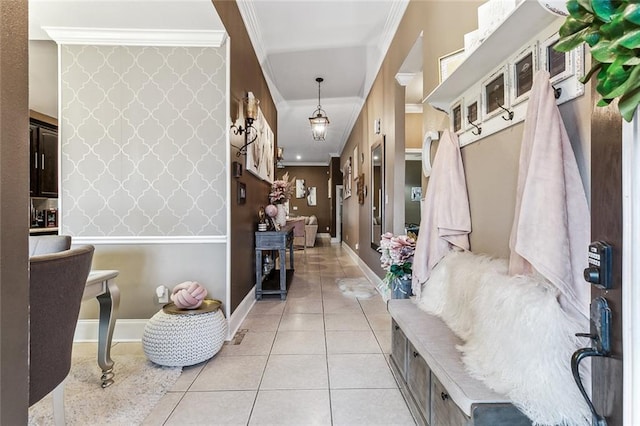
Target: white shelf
524, 22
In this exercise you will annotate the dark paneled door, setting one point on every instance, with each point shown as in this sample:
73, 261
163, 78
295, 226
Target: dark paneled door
606, 225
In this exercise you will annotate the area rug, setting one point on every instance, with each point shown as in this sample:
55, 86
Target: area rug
139, 385
359, 288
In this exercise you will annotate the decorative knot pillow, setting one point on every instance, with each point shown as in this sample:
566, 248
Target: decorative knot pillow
188, 295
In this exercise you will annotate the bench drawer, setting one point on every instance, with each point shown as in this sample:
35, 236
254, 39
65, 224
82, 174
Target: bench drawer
399, 349
419, 382
443, 410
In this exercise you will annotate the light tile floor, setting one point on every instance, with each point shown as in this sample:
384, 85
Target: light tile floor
318, 358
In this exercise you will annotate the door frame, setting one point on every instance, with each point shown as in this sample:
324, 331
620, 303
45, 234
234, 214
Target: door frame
339, 207
631, 269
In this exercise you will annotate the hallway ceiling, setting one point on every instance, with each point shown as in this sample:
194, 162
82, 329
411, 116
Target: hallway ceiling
342, 41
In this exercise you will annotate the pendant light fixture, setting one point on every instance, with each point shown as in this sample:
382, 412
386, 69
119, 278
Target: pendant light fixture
319, 121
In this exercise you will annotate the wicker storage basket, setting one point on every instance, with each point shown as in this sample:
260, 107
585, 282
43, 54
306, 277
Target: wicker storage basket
181, 339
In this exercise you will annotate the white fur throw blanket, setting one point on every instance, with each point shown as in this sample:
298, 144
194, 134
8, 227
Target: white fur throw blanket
518, 340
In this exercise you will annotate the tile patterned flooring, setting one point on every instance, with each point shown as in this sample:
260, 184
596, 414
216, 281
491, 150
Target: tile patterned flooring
318, 358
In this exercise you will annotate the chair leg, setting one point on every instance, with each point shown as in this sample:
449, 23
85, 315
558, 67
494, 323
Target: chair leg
58, 405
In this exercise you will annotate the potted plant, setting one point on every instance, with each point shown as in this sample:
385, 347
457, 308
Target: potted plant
280, 193
611, 28
397, 260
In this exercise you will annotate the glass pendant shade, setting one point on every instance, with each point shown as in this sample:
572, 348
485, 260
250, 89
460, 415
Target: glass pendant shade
319, 125
319, 122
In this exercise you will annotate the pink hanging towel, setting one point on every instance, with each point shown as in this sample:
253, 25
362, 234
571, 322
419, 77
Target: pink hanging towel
445, 220
551, 227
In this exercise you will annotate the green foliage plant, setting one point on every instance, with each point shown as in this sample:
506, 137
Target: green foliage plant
611, 28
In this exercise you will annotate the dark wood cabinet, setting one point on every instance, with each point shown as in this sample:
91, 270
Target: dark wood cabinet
43, 142
419, 381
443, 410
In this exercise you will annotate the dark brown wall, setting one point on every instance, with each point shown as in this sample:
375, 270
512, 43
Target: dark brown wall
317, 176
246, 76
14, 197
336, 179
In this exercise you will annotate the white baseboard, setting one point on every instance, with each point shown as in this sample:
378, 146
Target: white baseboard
131, 330
375, 279
241, 312
126, 330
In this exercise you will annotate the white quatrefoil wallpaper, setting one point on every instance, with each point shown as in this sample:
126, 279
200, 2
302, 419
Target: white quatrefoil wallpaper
143, 141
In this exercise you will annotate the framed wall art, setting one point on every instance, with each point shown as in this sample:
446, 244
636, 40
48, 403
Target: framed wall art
355, 163
360, 189
525, 64
346, 172
300, 188
237, 169
456, 116
242, 193
449, 62
311, 198
260, 154
495, 94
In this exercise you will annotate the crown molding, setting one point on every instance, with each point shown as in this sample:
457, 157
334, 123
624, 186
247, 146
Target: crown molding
391, 26
404, 78
412, 108
248, 13
136, 37
251, 23
396, 13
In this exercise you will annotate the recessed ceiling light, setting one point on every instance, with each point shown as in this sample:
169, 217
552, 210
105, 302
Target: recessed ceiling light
298, 157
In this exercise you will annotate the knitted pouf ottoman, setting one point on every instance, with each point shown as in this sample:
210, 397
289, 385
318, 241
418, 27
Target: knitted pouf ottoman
175, 337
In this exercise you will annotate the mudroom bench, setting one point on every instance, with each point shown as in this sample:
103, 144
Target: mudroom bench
432, 376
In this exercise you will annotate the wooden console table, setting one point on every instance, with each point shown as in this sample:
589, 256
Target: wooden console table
274, 240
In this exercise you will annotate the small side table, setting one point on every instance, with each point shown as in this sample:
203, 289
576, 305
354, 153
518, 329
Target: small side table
274, 240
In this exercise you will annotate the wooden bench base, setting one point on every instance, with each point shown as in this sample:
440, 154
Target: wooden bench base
432, 378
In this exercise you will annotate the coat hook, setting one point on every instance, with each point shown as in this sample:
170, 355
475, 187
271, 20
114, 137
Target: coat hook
476, 126
510, 113
557, 91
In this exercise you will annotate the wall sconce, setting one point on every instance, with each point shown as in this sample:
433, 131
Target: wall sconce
250, 104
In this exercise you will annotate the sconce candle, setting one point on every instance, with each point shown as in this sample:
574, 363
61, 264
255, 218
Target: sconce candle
252, 106
250, 115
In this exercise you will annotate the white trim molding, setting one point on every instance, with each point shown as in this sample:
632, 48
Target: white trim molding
240, 313
126, 330
125, 240
631, 270
371, 276
136, 37
404, 78
413, 108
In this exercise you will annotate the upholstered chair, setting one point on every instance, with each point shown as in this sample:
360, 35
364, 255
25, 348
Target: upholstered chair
44, 244
311, 229
299, 233
56, 284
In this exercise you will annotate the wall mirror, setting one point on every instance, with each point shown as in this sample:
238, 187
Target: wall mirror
377, 193
412, 188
